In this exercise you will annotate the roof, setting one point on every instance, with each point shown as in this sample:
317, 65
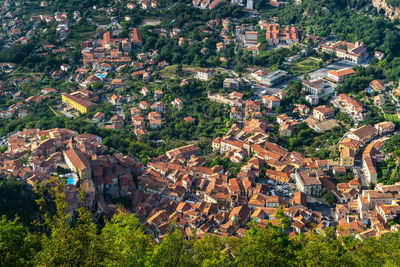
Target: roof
82, 102
364, 132
77, 159
342, 72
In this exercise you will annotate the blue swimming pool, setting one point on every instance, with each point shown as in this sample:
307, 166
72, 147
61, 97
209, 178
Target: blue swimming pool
71, 181
369, 90
101, 75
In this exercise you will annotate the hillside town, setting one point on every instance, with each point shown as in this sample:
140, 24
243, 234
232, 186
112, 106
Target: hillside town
211, 125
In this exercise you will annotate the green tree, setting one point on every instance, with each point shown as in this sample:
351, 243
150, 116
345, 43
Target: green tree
126, 242
17, 245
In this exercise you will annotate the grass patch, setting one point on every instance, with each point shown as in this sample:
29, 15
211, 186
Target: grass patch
187, 71
392, 117
304, 66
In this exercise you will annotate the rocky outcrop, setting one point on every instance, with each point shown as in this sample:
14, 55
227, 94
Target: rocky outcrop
389, 11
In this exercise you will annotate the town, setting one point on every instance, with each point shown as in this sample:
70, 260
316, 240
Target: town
210, 116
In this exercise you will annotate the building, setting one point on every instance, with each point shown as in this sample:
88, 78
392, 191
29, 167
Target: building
363, 134
379, 55
312, 99
278, 176
377, 85
323, 112
250, 38
184, 151
287, 128
352, 107
347, 156
231, 83
307, 182
314, 87
275, 36
384, 127
136, 37
379, 100
204, 75
78, 162
274, 78
338, 76
271, 101
81, 105
354, 52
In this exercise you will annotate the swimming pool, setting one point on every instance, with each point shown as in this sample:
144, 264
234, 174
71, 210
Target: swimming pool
101, 75
71, 181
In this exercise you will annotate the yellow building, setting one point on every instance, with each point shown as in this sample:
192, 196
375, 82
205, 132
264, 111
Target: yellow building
78, 104
347, 157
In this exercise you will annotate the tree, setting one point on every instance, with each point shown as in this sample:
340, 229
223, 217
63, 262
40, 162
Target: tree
125, 241
268, 246
65, 245
17, 245
172, 251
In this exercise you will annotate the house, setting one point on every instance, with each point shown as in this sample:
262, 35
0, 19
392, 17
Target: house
116, 99
271, 101
379, 100
338, 76
221, 47
384, 127
135, 111
158, 106
253, 106
275, 202
377, 85
287, 128
236, 114
158, 94
312, 99
178, 103
184, 151
363, 134
255, 50
204, 75
354, 52
323, 112
281, 118
144, 105
189, 120
347, 156
350, 143
278, 176
314, 87
379, 55
99, 116
136, 37
79, 162
155, 123
250, 38
307, 182
231, 83
352, 107
145, 91
299, 199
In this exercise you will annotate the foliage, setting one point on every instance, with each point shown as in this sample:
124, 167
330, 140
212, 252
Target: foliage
327, 196
17, 201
